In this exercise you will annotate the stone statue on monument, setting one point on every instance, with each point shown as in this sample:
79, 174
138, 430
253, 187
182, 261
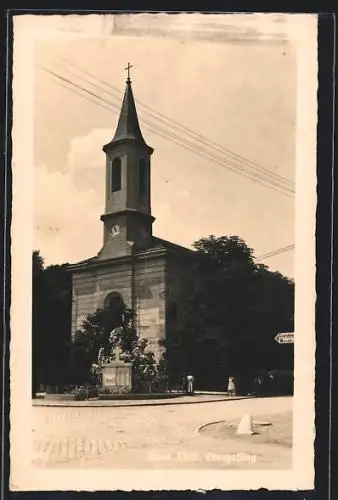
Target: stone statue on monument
100, 356
116, 341
116, 370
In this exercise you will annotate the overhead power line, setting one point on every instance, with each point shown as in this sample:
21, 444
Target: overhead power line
176, 125
94, 98
78, 90
276, 252
165, 133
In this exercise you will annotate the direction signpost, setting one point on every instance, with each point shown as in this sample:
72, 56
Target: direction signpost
285, 338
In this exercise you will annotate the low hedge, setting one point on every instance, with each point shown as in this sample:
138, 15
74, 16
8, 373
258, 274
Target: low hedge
82, 393
135, 396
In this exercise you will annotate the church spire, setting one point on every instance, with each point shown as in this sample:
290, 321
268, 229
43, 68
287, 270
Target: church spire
128, 128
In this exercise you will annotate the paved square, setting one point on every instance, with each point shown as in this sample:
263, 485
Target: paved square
153, 436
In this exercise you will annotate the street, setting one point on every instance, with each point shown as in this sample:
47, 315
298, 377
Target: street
155, 436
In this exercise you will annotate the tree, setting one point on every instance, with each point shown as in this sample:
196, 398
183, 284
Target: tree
225, 251
229, 311
57, 333
51, 320
38, 364
95, 332
272, 308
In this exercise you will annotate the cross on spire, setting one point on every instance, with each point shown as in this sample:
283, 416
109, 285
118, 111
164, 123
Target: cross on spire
128, 70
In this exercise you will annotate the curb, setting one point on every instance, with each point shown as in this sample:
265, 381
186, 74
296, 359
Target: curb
114, 404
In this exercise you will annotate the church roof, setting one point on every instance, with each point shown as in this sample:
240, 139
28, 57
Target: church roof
128, 128
159, 242
156, 245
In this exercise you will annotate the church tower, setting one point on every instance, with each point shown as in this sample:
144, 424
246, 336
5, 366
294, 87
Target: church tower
127, 218
132, 265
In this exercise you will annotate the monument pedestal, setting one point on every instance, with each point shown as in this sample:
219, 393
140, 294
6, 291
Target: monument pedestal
117, 377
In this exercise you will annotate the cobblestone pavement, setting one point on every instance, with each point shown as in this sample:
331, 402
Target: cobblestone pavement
152, 436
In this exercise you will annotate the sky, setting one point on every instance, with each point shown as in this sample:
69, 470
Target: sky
231, 80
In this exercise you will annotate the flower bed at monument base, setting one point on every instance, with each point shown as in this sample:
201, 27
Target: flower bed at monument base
83, 393
133, 396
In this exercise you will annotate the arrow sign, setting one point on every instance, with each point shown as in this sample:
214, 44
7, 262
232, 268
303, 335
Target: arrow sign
285, 338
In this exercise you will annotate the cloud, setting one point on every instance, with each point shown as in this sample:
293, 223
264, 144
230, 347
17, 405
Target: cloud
86, 151
67, 207
67, 226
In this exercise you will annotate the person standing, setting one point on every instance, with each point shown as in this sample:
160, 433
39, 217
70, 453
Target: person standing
190, 384
231, 386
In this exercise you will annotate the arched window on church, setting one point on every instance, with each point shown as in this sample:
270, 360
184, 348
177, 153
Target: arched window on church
116, 175
113, 300
142, 177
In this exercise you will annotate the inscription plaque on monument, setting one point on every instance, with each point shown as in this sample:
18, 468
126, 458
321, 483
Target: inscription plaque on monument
116, 375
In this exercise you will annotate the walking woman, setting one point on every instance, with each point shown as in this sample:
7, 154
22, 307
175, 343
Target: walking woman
231, 386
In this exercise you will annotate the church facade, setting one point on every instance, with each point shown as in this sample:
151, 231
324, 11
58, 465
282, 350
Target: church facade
132, 264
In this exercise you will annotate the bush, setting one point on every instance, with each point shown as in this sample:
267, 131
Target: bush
105, 390
282, 382
275, 382
81, 393
93, 392
70, 389
115, 390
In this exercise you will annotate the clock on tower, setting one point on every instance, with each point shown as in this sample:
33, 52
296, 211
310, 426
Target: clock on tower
115, 230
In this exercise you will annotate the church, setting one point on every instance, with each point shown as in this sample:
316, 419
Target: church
132, 264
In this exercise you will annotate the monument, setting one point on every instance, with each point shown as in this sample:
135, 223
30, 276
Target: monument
116, 372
